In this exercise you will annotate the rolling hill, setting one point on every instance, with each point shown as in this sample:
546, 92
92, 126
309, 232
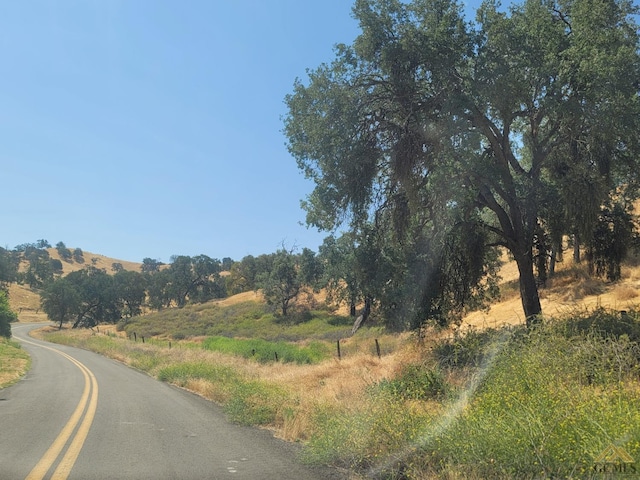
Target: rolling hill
27, 302
569, 290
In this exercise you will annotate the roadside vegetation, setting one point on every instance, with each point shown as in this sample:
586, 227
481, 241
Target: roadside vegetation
437, 166
14, 362
495, 403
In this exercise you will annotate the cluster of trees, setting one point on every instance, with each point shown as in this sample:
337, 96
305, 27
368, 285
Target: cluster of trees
433, 141
41, 268
362, 272
91, 295
282, 276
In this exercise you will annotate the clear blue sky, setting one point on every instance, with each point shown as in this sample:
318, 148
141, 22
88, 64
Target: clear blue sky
151, 128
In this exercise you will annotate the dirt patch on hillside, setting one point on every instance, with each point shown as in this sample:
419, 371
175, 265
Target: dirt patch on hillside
571, 290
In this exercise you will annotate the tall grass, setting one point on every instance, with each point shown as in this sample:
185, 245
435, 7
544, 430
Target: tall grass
264, 351
506, 403
546, 409
250, 319
14, 362
541, 404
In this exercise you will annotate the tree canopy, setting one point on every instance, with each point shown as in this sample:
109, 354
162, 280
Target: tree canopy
500, 133
6, 316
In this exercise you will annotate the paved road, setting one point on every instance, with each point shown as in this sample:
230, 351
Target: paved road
81, 416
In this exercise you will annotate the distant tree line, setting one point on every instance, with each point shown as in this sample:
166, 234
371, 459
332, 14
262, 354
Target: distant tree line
365, 271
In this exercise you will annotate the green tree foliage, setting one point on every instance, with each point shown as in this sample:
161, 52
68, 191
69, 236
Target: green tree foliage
131, 291
281, 284
612, 238
197, 278
8, 267
99, 301
227, 263
6, 316
243, 274
311, 269
56, 266
116, 267
64, 252
149, 265
61, 301
427, 122
40, 269
158, 289
340, 279
78, 255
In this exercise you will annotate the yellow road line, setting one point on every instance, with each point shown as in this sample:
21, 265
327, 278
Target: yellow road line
66, 464
69, 459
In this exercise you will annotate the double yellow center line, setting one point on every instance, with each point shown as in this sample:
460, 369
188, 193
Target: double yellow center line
85, 412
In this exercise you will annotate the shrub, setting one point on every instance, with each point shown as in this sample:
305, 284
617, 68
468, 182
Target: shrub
6, 316
535, 416
416, 382
465, 349
601, 322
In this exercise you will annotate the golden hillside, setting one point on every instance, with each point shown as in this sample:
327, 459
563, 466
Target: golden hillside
570, 289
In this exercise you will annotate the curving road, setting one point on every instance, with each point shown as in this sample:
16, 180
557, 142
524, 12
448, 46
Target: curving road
81, 416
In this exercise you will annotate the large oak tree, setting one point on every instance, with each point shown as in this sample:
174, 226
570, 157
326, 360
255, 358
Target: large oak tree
430, 118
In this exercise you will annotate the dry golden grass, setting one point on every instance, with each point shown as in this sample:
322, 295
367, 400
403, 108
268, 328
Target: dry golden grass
12, 369
95, 259
239, 298
570, 288
625, 292
13, 363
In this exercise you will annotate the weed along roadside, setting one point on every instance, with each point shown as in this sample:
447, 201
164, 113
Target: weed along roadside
496, 403
14, 362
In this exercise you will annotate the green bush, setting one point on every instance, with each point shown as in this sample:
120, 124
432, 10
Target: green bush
416, 383
602, 322
180, 373
6, 316
466, 349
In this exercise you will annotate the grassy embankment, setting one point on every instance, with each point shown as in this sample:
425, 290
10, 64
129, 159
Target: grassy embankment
14, 362
488, 403
496, 403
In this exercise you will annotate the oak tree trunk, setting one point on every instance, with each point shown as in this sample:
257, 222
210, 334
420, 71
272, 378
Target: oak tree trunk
528, 289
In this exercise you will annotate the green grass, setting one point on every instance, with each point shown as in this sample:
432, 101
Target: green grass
14, 362
247, 319
507, 403
541, 404
264, 351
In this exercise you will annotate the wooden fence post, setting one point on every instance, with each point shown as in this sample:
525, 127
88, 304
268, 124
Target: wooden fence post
377, 348
338, 344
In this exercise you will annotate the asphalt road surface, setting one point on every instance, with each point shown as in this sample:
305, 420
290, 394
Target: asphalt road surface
82, 416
